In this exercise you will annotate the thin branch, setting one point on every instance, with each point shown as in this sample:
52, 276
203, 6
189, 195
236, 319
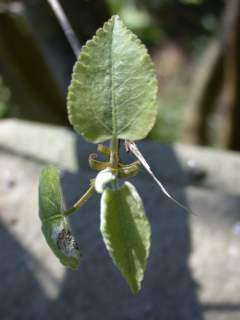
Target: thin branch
81, 201
66, 26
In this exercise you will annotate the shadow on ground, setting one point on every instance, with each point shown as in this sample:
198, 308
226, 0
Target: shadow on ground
97, 290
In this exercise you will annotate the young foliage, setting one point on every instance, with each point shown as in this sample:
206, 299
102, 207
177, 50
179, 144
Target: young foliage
55, 226
113, 92
112, 96
126, 232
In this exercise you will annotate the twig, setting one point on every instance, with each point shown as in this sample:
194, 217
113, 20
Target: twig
66, 26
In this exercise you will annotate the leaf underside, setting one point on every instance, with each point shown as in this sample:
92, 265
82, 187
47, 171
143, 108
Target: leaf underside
126, 232
113, 92
55, 226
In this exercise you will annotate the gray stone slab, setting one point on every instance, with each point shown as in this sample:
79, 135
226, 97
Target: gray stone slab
212, 169
193, 270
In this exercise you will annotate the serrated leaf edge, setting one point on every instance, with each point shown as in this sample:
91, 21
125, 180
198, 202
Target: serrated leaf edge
75, 83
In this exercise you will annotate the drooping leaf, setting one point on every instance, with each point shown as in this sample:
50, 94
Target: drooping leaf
126, 232
55, 226
113, 91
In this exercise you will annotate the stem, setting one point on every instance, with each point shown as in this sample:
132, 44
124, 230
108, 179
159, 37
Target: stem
114, 158
81, 201
66, 26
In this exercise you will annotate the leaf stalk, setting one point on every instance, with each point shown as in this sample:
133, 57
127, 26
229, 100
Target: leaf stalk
114, 158
81, 201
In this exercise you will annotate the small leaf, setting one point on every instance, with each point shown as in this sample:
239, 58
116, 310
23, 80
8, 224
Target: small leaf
126, 232
55, 226
113, 92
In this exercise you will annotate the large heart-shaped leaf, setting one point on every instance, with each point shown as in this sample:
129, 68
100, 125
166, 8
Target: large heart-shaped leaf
126, 232
113, 92
55, 226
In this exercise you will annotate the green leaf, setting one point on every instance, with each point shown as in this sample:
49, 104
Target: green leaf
113, 92
126, 232
55, 226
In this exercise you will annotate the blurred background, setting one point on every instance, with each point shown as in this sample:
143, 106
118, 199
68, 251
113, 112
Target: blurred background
193, 271
193, 43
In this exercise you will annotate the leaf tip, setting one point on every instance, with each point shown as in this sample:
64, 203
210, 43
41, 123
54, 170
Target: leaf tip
135, 288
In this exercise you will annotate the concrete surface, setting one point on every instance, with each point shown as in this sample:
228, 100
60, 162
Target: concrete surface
193, 271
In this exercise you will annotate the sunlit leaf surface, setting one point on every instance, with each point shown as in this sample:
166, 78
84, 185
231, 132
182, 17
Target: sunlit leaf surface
126, 232
113, 92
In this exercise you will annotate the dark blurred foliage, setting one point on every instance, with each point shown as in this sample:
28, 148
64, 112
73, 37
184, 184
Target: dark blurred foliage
36, 59
213, 112
177, 20
4, 99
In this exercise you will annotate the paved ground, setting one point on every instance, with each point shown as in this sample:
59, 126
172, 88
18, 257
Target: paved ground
193, 272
